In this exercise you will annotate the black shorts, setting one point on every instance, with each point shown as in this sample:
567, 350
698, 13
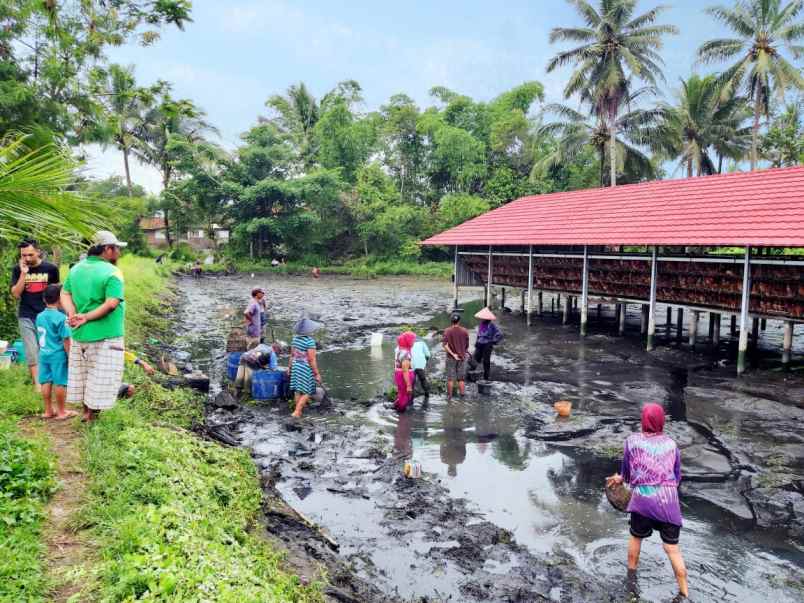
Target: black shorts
642, 527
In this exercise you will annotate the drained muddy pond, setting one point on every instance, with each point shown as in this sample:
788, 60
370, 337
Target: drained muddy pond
510, 505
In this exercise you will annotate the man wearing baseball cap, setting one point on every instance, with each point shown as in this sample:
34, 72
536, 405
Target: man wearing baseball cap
93, 298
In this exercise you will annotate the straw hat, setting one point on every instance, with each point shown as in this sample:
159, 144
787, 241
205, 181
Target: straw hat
306, 327
485, 314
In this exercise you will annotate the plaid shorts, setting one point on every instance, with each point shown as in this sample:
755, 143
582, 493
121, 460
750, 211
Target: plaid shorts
95, 372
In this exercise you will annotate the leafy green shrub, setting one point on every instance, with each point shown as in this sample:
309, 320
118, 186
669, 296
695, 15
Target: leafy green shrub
26, 482
183, 253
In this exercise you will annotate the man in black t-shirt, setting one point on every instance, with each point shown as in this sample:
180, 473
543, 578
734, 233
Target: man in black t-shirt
29, 279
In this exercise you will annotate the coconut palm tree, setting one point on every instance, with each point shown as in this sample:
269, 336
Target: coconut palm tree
165, 123
37, 194
616, 46
702, 125
122, 107
764, 28
633, 128
298, 112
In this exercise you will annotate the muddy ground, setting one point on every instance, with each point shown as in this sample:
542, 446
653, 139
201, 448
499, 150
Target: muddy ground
510, 505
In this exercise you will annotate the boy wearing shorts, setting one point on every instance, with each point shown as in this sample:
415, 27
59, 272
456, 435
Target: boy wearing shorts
54, 347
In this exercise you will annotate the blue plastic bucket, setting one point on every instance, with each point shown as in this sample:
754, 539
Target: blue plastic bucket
268, 385
19, 347
232, 363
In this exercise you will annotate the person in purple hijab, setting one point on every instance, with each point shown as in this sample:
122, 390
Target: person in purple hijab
651, 466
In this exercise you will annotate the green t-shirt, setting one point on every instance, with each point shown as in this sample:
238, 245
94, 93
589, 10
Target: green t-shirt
91, 283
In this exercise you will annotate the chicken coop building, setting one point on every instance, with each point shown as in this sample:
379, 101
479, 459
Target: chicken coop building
669, 242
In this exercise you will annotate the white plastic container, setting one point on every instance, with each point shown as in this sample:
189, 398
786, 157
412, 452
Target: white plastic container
3, 346
5, 362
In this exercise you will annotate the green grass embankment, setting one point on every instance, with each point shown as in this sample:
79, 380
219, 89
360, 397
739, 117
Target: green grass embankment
26, 483
174, 517
361, 268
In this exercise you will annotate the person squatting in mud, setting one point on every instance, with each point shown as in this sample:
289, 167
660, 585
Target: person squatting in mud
403, 375
456, 344
651, 465
303, 366
260, 358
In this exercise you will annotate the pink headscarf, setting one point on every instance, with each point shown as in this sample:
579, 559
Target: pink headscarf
406, 340
652, 418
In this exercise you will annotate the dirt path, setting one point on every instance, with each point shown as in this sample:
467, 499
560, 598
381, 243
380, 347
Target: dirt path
66, 548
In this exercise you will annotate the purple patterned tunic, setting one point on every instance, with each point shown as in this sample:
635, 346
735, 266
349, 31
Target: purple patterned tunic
652, 467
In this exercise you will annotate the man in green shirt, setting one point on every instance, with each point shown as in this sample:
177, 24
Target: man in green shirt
93, 298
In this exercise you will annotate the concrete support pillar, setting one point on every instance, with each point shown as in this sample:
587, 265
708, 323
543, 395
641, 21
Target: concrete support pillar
787, 344
654, 274
455, 284
733, 326
585, 291
742, 347
694, 318
530, 285
488, 283
679, 323
716, 332
623, 312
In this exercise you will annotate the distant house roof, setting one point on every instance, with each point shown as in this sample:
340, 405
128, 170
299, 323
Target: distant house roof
761, 208
152, 223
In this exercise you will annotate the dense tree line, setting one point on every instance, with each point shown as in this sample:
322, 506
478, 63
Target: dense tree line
325, 179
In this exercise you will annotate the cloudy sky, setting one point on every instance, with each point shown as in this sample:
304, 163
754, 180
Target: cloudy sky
237, 53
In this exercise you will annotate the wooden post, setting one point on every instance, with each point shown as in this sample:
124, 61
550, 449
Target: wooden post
742, 347
755, 333
643, 319
733, 327
455, 284
694, 317
711, 335
540, 302
567, 306
599, 311
763, 324
552, 305
716, 332
654, 273
669, 322
530, 285
488, 283
787, 345
585, 291
679, 323
502, 302
623, 312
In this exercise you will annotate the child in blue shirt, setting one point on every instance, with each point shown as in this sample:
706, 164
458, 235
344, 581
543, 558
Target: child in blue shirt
54, 347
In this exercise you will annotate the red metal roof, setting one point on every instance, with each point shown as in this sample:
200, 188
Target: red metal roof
762, 208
